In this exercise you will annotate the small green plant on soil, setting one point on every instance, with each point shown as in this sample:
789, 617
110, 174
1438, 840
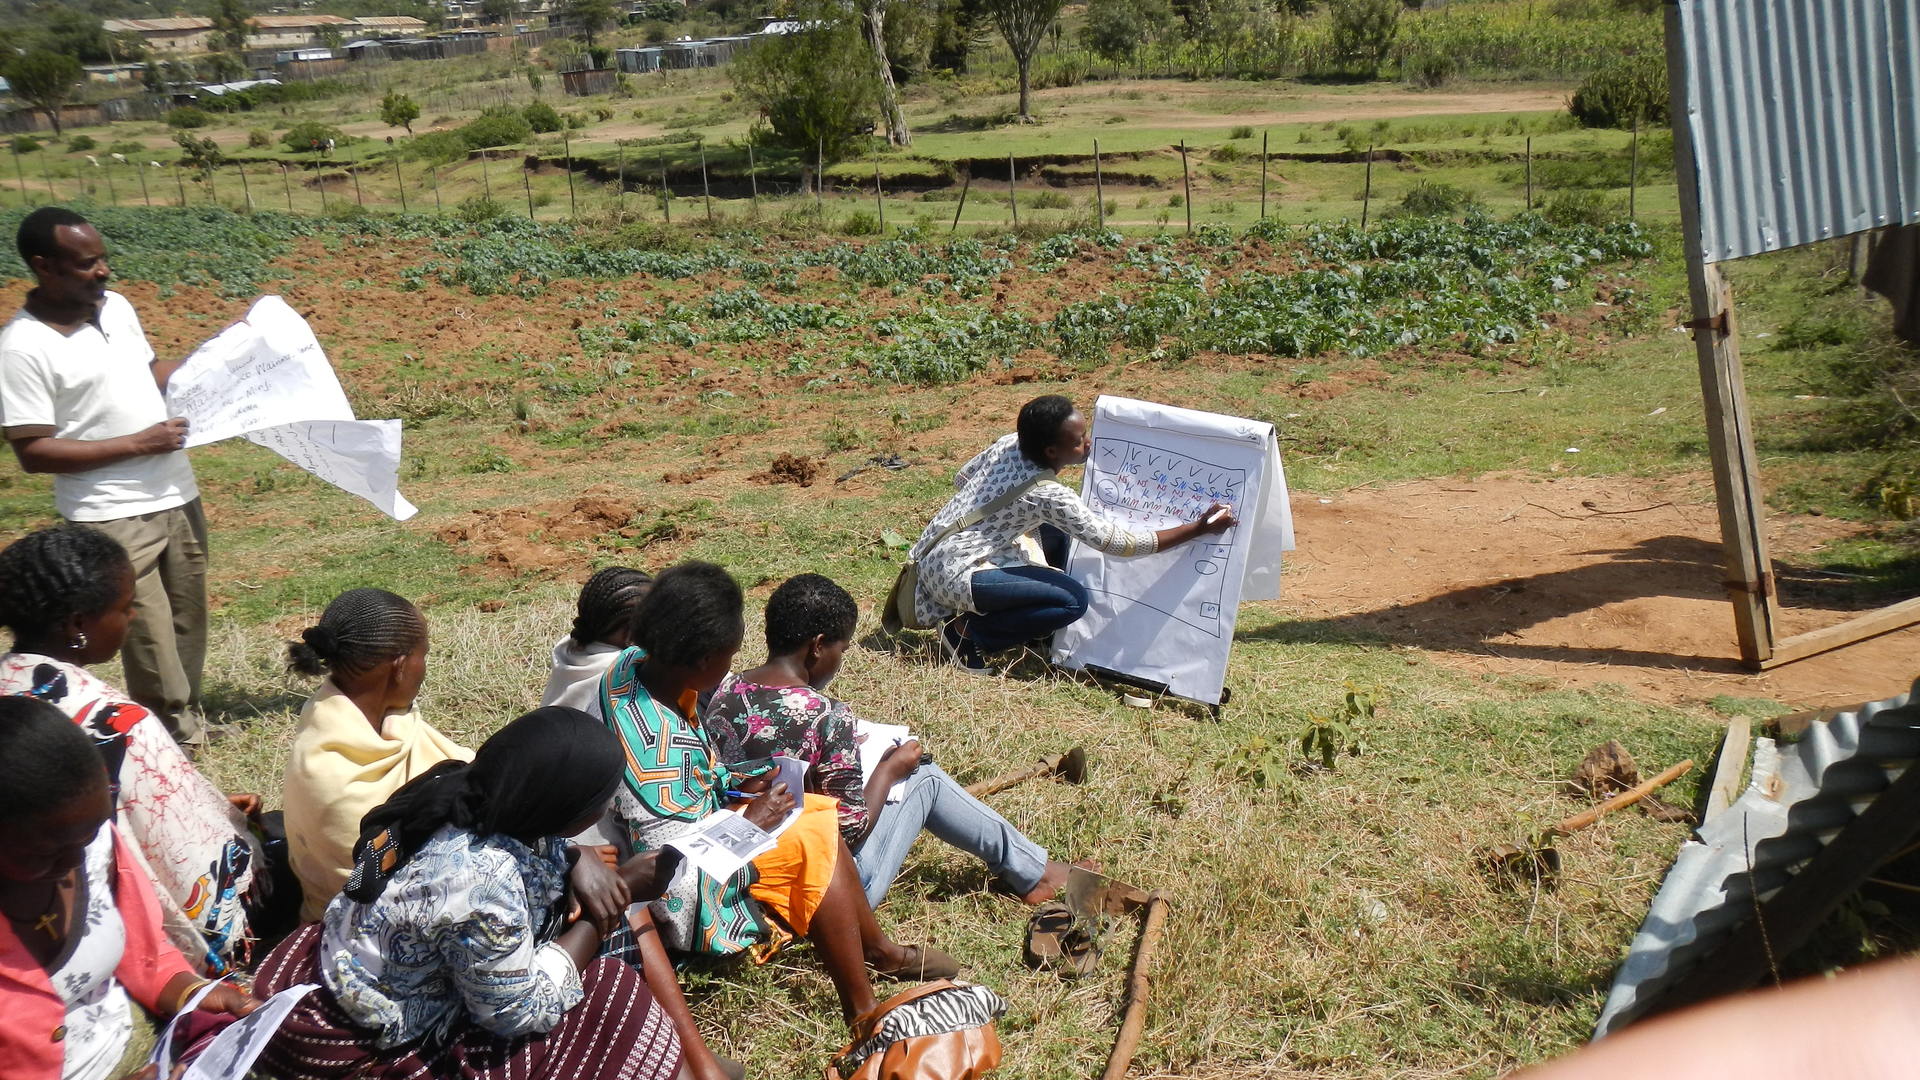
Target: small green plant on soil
1326, 736
1261, 762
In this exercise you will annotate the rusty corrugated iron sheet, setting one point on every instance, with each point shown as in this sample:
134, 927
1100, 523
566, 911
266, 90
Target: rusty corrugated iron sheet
1802, 115
1800, 796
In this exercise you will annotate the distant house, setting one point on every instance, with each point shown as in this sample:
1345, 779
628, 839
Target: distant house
295, 31
181, 36
385, 26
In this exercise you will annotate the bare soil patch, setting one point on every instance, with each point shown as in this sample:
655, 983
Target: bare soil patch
1576, 580
543, 538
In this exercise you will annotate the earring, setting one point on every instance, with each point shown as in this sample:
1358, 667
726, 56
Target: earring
79, 640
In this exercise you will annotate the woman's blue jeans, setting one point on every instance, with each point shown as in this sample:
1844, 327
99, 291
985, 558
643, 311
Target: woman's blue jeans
1020, 603
936, 803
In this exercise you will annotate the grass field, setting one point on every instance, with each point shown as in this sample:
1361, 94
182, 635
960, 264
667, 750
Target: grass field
616, 394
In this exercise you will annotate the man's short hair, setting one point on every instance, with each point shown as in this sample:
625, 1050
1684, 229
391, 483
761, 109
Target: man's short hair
36, 232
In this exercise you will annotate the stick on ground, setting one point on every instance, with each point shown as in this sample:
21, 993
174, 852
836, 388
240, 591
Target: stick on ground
1133, 1021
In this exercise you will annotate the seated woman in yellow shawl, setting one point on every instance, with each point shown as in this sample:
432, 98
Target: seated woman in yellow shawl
360, 737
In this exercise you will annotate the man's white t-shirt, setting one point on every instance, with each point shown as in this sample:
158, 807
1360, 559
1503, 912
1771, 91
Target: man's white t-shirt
96, 384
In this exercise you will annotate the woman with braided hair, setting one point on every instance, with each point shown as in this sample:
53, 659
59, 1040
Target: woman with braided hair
66, 593
360, 737
600, 631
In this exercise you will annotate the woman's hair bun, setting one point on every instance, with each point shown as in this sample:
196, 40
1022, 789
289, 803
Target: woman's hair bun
322, 640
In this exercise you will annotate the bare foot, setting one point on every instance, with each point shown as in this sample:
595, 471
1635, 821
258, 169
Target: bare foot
1053, 880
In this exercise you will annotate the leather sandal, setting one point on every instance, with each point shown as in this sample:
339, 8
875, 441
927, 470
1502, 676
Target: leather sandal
924, 962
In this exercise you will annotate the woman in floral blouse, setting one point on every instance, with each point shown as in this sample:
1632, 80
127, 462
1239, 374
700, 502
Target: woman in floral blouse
781, 707
989, 580
466, 940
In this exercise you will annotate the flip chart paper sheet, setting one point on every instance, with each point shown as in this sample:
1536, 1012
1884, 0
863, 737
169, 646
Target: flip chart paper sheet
1169, 617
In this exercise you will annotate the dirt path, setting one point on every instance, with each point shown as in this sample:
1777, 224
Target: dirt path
1521, 576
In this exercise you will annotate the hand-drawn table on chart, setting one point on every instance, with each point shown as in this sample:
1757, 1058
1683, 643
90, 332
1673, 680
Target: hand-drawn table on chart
1168, 618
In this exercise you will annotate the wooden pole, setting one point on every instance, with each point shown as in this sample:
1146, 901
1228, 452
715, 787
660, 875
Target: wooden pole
1633, 168
819, 169
213, 194
357, 196
1186, 185
486, 181
113, 196
141, 172
879, 201
1748, 570
246, 191
180, 183
753, 178
620, 191
1263, 175
400, 181
47, 175
566, 148
1529, 172
287, 186
706, 189
666, 194
1013, 193
21, 174
1366, 191
965, 183
1099, 189
433, 181
526, 179
1624, 799
1133, 1019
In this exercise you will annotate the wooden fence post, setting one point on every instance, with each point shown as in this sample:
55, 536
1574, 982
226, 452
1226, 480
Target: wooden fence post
965, 183
112, 195
399, 180
1013, 192
246, 191
47, 175
666, 193
1366, 192
182, 185
620, 190
1633, 168
1529, 172
819, 170
433, 180
1186, 183
706, 189
753, 177
486, 181
1263, 175
284, 183
526, 179
1099, 189
566, 148
879, 201
141, 172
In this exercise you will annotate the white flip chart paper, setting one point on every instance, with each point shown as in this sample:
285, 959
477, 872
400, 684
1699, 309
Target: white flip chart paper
266, 379
1169, 617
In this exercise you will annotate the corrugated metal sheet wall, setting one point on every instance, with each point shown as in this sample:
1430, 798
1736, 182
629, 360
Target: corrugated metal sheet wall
1803, 117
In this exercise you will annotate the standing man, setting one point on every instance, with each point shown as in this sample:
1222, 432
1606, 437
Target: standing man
83, 397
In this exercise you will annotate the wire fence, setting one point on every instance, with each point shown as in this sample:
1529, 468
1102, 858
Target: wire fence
641, 183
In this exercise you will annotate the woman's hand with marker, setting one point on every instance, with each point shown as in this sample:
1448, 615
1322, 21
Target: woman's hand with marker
1218, 519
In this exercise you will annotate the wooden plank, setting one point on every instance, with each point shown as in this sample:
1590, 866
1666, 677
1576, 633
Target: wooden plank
1729, 767
1859, 628
1784, 922
1736, 482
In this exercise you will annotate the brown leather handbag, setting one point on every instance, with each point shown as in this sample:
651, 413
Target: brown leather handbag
942, 1030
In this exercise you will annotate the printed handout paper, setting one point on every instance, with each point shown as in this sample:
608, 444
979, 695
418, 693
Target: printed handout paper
266, 379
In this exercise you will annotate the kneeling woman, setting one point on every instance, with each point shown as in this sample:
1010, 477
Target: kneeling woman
449, 952
981, 567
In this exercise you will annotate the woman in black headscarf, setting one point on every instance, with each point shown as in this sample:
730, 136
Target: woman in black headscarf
468, 938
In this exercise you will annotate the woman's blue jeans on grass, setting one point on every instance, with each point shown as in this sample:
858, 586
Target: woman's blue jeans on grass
1020, 603
936, 803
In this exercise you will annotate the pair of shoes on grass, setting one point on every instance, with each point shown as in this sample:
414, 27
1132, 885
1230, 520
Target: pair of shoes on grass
962, 652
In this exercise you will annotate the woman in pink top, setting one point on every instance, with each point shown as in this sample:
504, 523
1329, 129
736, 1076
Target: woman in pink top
81, 937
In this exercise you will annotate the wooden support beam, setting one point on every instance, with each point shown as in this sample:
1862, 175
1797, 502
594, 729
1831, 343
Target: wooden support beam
1859, 628
1784, 922
1729, 768
1736, 479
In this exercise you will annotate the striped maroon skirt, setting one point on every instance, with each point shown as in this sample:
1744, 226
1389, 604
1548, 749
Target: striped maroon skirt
617, 1032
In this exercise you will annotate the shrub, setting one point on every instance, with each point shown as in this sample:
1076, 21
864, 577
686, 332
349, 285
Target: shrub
478, 209
188, 116
1364, 31
25, 144
541, 117
860, 223
1581, 208
1431, 198
1050, 200
80, 144
310, 135
1614, 95
497, 125
1241, 131
1429, 70
259, 139
436, 147
1227, 152
127, 148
